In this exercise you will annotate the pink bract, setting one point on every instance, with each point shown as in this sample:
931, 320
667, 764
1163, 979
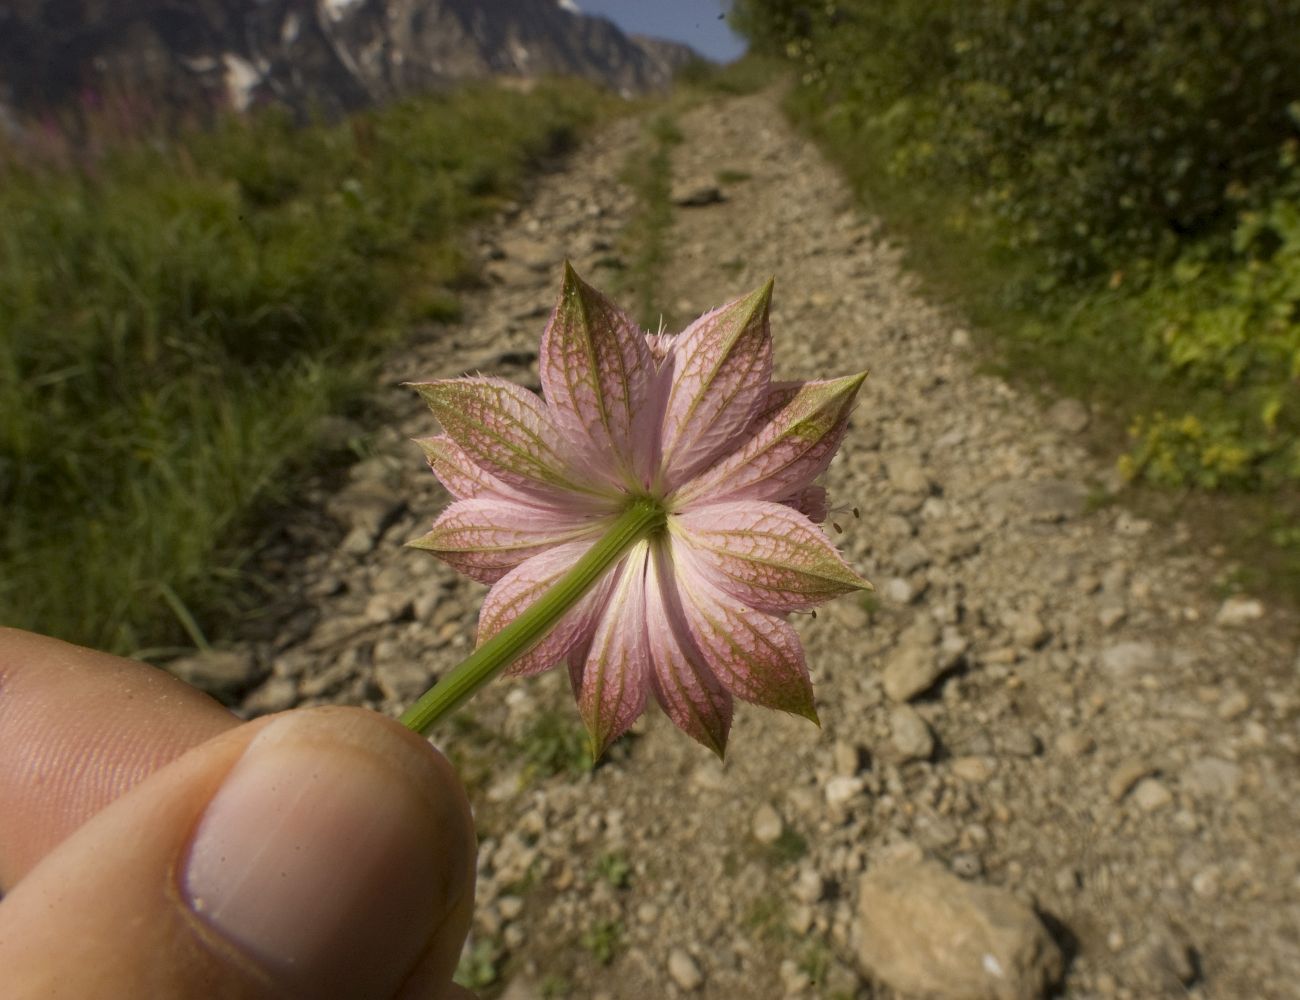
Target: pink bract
694, 614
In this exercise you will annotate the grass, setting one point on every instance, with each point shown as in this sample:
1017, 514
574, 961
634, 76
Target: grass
645, 239
178, 316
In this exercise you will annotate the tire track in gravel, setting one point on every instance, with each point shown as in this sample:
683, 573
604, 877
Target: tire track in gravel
1109, 739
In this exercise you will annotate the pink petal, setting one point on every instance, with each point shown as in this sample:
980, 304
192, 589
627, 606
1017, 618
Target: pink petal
461, 477
764, 555
506, 431
683, 684
615, 675
485, 538
523, 585
756, 656
810, 502
789, 449
721, 369
596, 368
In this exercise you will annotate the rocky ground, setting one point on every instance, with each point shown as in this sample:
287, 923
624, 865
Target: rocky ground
1049, 751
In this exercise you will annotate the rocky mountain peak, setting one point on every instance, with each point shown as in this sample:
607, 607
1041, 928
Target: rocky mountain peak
313, 56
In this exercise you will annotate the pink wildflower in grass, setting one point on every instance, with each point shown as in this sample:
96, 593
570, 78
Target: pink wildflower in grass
693, 614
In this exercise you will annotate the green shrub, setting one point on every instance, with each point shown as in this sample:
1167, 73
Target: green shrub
1098, 131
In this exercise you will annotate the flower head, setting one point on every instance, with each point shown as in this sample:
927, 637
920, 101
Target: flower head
693, 423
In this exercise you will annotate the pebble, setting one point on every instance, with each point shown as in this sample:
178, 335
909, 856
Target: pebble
684, 970
923, 931
1075, 743
1124, 659
1124, 777
766, 825
1234, 705
1019, 742
1236, 612
1068, 415
910, 735
842, 789
1151, 794
975, 770
911, 670
221, 673
1211, 777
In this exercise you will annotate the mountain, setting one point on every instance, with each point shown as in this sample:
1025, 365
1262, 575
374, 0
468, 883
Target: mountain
313, 56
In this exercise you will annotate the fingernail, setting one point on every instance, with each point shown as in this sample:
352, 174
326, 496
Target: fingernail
319, 857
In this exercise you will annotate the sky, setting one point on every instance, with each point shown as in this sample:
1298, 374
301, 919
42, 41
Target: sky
695, 22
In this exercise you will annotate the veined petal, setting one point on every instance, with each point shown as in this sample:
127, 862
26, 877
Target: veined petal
460, 476
756, 656
485, 538
614, 677
721, 369
683, 684
523, 585
595, 369
786, 452
810, 502
505, 430
764, 555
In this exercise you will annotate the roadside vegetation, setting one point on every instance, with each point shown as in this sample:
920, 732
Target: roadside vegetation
179, 314
1112, 192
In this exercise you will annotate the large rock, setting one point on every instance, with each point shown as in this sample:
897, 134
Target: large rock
927, 933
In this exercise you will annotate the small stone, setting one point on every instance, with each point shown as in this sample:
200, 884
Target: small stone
1205, 883
1028, 630
1075, 743
800, 919
1238, 611
809, 885
1068, 415
510, 907
911, 556
1019, 742
923, 931
1234, 705
907, 476
897, 590
1151, 795
850, 614
975, 770
684, 970
912, 669
910, 734
223, 673
766, 825
1112, 616
1211, 777
967, 865
847, 758
1125, 777
841, 790
695, 195
1124, 659
794, 980
274, 695
960, 338
401, 678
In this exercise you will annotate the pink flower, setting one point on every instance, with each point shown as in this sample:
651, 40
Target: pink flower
692, 615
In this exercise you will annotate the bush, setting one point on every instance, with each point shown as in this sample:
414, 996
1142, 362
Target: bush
1097, 131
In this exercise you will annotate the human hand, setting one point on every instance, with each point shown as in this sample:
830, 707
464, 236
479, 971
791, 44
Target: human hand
151, 845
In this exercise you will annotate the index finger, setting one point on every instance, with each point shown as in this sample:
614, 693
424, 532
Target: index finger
77, 729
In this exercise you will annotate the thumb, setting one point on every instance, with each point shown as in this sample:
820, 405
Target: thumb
320, 853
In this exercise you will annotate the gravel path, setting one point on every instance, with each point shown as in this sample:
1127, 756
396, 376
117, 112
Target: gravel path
1044, 697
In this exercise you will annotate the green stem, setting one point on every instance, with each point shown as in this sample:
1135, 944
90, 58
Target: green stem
641, 518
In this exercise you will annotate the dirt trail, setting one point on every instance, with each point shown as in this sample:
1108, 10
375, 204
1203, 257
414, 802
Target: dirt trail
1105, 736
